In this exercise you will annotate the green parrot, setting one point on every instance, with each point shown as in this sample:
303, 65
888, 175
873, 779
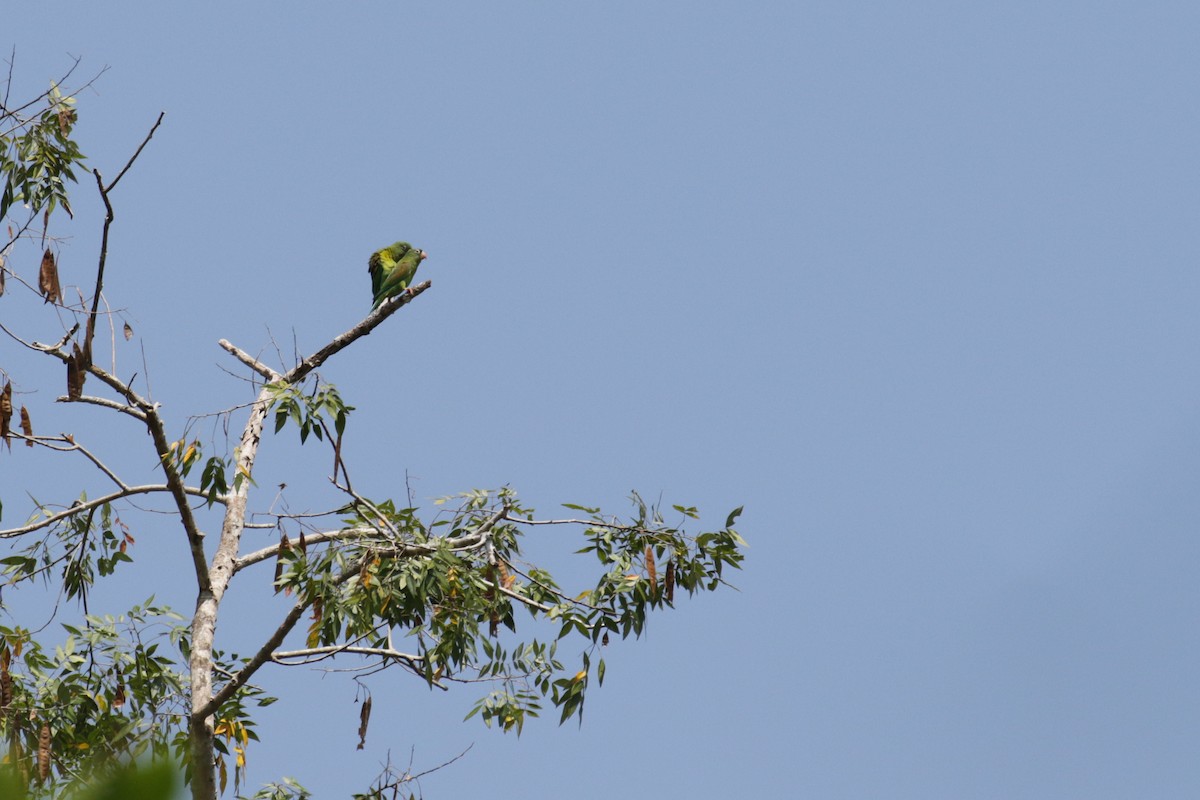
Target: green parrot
392, 270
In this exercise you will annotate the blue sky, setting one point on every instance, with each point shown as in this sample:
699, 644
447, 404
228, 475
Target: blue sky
915, 283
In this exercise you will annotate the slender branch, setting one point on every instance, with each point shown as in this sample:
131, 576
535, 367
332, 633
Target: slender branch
250, 361
267, 553
136, 153
364, 328
49, 443
100, 401
128, 491
108, 220
591, 523
333, 650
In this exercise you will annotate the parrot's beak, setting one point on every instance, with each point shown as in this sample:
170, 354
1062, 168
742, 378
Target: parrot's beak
424, 255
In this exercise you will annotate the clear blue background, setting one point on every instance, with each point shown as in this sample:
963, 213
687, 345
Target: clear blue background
915, 282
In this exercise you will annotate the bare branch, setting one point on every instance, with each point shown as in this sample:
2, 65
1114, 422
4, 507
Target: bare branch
268, 553
128, 491
250, 361
313, 654
136, 153
364, 328
49, 443
100, 401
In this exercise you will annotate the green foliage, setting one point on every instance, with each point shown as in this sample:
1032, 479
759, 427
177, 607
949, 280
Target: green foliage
78, 548
109, 692
38, 155
309, 411
285, 789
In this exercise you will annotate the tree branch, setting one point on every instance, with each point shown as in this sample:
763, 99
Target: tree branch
100, 401
128, 491
327, 652
250, 361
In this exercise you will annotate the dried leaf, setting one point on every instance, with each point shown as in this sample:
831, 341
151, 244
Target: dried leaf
364, 716
303, 544
651, 571
669, 582
506, 579
66, 118
119, 696
128, 331
1, 274
6, 413
6, 693
26, 427
314, 630
604, 639
48, 279
43, 754
493, 624
364, 573
76, 372
285, 546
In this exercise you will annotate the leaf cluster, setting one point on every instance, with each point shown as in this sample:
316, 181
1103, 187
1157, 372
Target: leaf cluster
38, 156
110, 692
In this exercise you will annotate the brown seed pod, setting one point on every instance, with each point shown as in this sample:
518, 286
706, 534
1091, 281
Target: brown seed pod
43, 754
6, 413
26, 427
364, 717
48, 279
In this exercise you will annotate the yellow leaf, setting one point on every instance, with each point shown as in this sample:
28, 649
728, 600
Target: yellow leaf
579, 676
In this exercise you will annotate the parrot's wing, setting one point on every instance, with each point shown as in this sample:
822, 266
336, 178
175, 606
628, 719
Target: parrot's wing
378, 271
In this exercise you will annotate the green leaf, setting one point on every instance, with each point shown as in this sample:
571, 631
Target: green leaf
733, 515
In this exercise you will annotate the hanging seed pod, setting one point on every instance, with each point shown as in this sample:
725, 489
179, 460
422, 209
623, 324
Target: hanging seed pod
77, 366
6, 413
669, 582
26, 427
651, 571
364, 717
5, 687
48, 279
43, 754
506, 579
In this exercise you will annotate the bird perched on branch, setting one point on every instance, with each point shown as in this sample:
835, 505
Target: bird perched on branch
392, 270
